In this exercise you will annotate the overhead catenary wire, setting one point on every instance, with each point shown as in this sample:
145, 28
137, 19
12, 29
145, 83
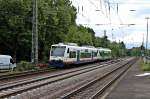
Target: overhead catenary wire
80, 9
93, 4
107, 14
79, 6
136, 2
119, 18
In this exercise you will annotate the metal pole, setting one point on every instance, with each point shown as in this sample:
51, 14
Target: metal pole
33, 36
147, 35
34, 54
36, 32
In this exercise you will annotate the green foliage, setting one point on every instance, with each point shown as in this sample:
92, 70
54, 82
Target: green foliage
80, 35
118, 49
135, 51
14, 27
145, 66
24, 66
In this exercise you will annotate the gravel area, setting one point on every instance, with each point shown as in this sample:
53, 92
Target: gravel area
58, 89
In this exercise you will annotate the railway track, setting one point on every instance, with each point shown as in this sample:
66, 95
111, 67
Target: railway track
10, 89
96, 87
2, 71
11, 75
9, 78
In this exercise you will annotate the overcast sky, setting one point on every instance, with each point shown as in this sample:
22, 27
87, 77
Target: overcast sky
116, 17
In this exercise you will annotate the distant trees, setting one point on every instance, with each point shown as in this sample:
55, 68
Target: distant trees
137, 51
118, 49
56, 24
80, 35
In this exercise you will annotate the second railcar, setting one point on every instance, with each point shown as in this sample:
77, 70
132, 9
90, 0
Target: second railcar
105, 54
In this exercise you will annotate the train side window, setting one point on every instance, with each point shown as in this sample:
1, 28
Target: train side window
86, 50
72, 54
85, 55
68, 50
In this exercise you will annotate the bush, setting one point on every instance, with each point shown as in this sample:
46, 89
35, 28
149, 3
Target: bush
24, 66
146, 66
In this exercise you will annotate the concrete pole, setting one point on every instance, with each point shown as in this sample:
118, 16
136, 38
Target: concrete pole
36, 32
34, 53
147, 18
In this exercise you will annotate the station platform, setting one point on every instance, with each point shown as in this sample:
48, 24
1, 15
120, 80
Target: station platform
134, 85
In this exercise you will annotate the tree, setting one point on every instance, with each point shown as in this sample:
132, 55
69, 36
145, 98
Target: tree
15, 26
56, 23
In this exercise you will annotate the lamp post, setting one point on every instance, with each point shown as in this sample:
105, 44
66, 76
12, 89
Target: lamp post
147, 18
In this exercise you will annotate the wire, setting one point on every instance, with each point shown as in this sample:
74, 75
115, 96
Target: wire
140, 3
93, 4
78, 10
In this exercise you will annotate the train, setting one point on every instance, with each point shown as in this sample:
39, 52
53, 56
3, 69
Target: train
68, 54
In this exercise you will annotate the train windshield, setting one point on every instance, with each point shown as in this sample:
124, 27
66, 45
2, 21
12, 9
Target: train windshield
58, 51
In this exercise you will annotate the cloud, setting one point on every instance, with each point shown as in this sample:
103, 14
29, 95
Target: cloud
96, 14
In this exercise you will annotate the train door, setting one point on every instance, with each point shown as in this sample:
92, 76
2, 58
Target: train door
78, 55
92, 55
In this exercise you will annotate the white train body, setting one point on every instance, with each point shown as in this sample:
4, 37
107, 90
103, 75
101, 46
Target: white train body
65, 54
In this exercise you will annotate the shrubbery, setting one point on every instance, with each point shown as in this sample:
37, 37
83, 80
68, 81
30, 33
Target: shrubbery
146, 66
24, 66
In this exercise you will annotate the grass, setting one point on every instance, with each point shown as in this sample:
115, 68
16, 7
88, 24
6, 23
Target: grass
146, 66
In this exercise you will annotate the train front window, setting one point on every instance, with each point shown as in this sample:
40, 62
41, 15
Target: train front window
58, 51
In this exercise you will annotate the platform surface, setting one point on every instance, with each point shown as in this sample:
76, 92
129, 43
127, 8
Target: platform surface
132, 86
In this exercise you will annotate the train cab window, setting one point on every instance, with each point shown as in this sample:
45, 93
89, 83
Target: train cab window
58, 51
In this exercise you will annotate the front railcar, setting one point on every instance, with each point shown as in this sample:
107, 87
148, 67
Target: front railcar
57, 54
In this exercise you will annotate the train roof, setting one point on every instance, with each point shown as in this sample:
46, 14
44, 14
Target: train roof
73, 45
65, 44
104, 49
